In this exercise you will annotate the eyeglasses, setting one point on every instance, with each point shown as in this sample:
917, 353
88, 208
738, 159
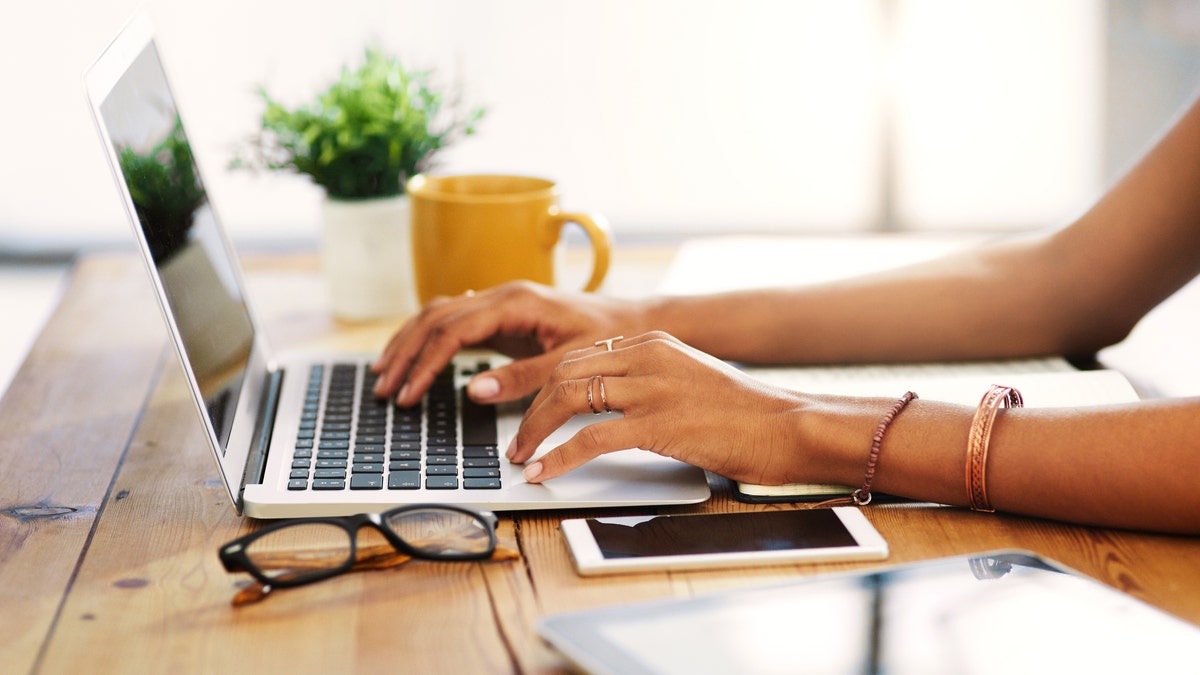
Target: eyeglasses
297, 552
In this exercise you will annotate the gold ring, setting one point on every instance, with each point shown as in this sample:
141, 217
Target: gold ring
603, 397
609, 342
591, 402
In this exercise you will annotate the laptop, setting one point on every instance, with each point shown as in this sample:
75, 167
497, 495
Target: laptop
300, 434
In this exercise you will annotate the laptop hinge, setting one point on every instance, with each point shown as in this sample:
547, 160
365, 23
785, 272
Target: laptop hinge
256, 459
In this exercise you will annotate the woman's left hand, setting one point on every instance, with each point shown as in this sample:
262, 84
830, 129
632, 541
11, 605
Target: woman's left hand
676, 401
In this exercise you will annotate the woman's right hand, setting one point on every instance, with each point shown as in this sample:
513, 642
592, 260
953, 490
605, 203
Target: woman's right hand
533, 324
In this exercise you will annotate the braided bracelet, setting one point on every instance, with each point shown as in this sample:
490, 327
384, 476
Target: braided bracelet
977, 442
862, 496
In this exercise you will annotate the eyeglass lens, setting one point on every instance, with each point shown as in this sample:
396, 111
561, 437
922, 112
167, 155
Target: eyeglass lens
300, 550
440, 532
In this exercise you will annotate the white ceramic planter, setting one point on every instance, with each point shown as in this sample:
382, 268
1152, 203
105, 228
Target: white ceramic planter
366, 254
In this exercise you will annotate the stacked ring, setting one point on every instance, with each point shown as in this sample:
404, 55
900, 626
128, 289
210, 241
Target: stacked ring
603, 395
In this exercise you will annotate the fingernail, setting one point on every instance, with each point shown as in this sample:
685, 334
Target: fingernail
512, 448
380, 387
403, 395
533, 471
483, 388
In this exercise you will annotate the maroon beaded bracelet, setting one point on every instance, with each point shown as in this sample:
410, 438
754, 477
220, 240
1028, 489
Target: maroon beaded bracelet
862, 496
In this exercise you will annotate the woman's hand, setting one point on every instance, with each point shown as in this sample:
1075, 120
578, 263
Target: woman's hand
531, 323
676, 401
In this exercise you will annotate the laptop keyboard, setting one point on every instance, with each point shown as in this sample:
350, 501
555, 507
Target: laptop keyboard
349, 439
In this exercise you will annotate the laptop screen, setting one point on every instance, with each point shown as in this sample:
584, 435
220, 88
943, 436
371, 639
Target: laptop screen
191, 257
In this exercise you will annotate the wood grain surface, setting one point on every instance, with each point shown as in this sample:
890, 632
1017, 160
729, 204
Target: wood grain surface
111, 514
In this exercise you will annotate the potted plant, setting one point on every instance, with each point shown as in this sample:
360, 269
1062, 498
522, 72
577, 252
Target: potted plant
360, 140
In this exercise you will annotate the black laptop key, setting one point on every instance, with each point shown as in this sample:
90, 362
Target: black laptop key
480, 451
478, 423
328, 484
481, 473
441, 483
330, 473
368, 468
366, 481
438, 470
481, 483
479, 463
404, 480
298, 484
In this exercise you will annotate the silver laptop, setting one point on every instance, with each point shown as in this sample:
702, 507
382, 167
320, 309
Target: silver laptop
300, 434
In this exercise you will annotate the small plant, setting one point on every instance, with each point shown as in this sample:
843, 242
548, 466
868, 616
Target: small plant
366, 135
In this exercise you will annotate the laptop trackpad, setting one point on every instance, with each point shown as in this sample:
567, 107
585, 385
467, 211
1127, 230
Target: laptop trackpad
644, 477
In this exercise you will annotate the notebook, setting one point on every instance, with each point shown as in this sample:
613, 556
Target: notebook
997, 612
280, 451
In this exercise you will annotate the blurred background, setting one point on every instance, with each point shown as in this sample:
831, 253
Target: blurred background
672, 117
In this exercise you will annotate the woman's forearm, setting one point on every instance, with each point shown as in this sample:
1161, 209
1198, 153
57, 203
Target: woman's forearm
1126, 466
972, 306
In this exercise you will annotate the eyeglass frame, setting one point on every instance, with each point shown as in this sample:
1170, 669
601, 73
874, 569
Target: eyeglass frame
235, 559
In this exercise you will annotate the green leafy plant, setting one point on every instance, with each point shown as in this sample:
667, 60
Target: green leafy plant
165, 189
374, 127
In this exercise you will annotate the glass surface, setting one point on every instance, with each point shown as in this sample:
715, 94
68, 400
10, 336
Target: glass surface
177, 224
637, 536
1003, 613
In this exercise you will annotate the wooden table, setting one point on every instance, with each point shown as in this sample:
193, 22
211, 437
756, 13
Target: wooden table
111, 514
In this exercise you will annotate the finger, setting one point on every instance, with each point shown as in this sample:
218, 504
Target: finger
513, 381
474, 320
580, 364
392, 365
616, 342
563, 401
589, 443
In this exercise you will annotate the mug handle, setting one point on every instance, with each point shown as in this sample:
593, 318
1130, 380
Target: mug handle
600, 236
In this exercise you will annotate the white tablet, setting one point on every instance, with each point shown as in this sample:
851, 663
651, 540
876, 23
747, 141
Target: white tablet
643, 543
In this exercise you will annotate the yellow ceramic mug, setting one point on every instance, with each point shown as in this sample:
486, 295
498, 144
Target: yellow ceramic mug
474, 232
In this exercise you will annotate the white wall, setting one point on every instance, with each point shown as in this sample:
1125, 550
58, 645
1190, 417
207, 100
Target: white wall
667, 115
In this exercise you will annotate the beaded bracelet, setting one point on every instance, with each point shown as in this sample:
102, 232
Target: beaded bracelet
977, 442
862, 496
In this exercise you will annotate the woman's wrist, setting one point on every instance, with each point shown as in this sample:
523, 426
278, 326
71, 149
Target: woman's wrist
833, 438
